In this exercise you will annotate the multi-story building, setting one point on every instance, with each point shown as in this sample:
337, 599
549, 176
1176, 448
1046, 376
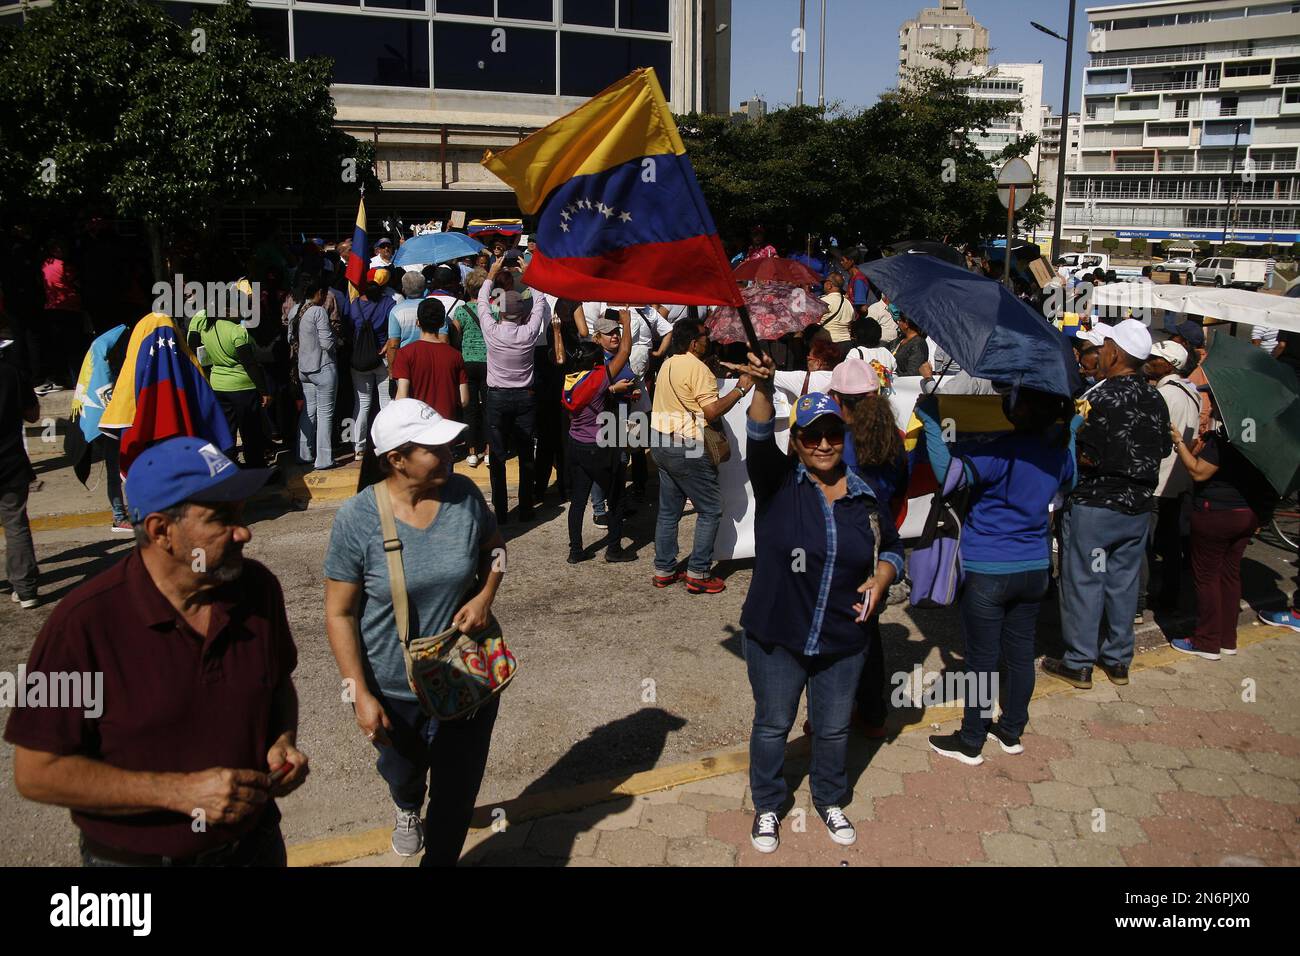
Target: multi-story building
1019, 83
1191, 124
753, 109
1056, 156
434, 83
945, 27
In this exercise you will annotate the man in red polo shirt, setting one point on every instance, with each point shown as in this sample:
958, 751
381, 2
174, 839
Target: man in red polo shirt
192, 735
431, 370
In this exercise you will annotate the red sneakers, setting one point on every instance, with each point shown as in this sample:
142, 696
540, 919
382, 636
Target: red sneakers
709, 585
667, 580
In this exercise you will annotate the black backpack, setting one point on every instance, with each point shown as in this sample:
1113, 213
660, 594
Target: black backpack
365, 350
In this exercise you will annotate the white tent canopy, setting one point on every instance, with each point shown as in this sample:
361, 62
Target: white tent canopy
1227, 305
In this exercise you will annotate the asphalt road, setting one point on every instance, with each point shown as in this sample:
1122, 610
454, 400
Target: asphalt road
615, 676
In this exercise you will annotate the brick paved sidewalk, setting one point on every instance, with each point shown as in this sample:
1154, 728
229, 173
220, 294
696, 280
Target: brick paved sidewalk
1193, 763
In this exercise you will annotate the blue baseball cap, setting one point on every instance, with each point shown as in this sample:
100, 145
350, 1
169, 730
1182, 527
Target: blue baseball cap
186, 469
813, 406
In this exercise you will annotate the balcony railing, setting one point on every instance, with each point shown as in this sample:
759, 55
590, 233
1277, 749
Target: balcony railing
1185, 56
1179, 85
1286, 78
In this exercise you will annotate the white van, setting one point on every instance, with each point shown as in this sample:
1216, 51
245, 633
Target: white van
1226, 271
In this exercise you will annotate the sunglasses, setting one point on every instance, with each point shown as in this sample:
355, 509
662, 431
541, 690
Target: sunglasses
812, 437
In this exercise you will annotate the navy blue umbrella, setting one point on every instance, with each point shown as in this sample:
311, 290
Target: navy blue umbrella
979, 322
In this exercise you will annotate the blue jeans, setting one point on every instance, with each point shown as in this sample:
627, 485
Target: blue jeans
445, 760
1100, 566
682, 476
778, 677
316, 422
365, 383
113, 477
999, 613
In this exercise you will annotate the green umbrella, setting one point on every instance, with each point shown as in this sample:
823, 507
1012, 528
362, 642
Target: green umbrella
1259, 402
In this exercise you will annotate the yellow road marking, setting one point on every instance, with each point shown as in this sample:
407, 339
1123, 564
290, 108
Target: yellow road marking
334, 850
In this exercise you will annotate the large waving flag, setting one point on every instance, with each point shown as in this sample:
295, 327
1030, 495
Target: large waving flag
161, 392
964, 418
620, 216
359, 258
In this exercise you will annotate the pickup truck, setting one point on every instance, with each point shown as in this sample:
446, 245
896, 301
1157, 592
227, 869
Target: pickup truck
1081, 265
1227, 271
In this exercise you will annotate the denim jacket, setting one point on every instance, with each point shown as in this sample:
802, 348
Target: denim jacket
811, 556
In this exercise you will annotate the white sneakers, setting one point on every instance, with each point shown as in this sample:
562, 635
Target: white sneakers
408, 833
24, 602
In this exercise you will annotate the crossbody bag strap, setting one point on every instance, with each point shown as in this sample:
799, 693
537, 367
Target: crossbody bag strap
393, 555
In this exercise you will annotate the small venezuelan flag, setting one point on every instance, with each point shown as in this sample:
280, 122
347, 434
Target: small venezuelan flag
620, 215
161, 392
359, 257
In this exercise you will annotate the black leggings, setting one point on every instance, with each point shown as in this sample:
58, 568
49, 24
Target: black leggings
590, 464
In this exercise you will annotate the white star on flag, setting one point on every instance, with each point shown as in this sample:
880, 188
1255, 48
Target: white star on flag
605, 211
625, 216
564, 226
566, 215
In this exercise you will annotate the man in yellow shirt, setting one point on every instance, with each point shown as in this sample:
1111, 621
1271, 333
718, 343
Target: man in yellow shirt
686, 397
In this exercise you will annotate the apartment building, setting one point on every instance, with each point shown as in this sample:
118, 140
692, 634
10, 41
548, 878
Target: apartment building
1056, 155
945, 27
1191, 124
1014, 83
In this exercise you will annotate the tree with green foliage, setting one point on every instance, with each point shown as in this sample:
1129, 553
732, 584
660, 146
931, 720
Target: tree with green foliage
164, 124
1110, 244
1138, 246
904, 169
1233, 249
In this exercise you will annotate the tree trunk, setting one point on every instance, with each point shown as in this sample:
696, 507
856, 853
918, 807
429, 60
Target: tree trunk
155, 249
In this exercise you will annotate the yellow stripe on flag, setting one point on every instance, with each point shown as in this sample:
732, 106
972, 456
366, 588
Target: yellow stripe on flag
625, 122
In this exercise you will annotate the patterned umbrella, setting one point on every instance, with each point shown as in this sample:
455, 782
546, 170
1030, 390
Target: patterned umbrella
776, 308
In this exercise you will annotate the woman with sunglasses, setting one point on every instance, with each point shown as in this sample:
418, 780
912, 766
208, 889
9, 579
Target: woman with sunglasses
454, 560
825, 554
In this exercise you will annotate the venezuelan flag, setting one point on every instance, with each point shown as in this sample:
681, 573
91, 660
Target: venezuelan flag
161, 392
970, 418
358, 258
510, 228
620, 215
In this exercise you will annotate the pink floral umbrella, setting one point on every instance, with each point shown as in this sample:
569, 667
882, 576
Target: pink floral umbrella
775, 308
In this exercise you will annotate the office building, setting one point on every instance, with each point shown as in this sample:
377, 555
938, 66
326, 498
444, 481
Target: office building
435, 83
1191, 125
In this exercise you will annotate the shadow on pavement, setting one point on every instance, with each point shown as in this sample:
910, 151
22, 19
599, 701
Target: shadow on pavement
633, 743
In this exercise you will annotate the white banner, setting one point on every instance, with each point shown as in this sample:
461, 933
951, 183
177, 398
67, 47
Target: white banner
736, 534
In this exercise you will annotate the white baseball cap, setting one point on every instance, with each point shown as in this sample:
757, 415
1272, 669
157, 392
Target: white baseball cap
409, 420
1096, 335
1170, 351
1131, 336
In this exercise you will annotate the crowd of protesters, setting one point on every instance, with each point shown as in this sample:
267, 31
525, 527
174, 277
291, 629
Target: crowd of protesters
463, 362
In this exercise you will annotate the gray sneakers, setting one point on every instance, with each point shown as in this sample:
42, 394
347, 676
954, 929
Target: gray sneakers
408, 833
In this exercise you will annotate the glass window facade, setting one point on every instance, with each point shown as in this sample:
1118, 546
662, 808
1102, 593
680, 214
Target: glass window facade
372, 51
502, 46
590, 62
503, 59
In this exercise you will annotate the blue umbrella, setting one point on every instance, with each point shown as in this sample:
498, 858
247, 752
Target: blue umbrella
979, 322
433, 248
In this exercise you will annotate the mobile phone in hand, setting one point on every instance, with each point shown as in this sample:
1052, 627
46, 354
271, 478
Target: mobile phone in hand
280, 772
867, 600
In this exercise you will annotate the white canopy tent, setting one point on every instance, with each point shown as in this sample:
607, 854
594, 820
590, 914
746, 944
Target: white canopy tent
1226, 305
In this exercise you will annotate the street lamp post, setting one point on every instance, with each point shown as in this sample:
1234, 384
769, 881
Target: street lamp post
1058, 208
1232, 182
821, 60
803, 42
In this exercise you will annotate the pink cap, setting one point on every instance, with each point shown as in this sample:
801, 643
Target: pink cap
854, 377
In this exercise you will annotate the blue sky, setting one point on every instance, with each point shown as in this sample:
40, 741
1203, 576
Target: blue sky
862, 46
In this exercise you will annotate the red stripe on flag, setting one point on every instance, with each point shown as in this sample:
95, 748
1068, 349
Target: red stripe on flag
161, 411
655, 273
